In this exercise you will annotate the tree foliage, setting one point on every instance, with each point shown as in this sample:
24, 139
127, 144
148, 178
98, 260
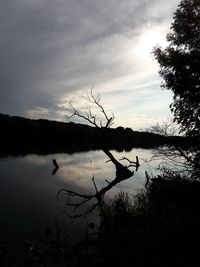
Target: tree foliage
180, 66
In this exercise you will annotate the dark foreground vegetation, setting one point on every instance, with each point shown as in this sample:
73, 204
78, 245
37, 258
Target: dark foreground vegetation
157, 227
161, 229
20, 135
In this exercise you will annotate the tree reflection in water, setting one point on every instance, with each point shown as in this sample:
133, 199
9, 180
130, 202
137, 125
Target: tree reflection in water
122, 173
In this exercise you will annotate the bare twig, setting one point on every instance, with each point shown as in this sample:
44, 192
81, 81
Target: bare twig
89, 116
95, 185
132, 163
176, 158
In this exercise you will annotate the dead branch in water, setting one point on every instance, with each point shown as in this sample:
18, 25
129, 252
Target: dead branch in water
122, 172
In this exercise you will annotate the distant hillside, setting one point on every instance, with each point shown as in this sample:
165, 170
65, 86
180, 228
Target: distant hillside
21, 134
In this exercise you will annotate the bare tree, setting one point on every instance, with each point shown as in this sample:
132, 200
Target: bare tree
179, 155
123, 172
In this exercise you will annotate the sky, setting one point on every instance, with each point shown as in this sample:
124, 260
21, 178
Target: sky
52, 51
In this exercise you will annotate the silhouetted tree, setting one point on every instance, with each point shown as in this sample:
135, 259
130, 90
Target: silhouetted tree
180, 66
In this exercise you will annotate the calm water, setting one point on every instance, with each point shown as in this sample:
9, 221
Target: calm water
28, 200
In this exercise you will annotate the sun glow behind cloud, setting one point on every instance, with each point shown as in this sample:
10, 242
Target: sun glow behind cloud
149, 39
135, 97
133, 93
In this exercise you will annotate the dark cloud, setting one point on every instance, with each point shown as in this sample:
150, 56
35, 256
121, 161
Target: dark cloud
51, 47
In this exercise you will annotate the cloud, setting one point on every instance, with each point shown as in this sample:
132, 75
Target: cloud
52, 49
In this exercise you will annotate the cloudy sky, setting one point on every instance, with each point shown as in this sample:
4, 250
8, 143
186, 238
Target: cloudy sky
53, 50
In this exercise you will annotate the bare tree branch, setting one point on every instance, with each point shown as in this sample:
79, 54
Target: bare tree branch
88, 116
132, 163
178, 158
122, 172
94, 100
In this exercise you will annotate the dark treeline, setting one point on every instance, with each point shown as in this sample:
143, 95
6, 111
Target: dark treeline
21, 135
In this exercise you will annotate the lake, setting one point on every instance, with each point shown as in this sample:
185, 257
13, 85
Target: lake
28, 203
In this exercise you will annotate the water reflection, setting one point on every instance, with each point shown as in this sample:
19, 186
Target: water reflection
28, 190
122, 173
